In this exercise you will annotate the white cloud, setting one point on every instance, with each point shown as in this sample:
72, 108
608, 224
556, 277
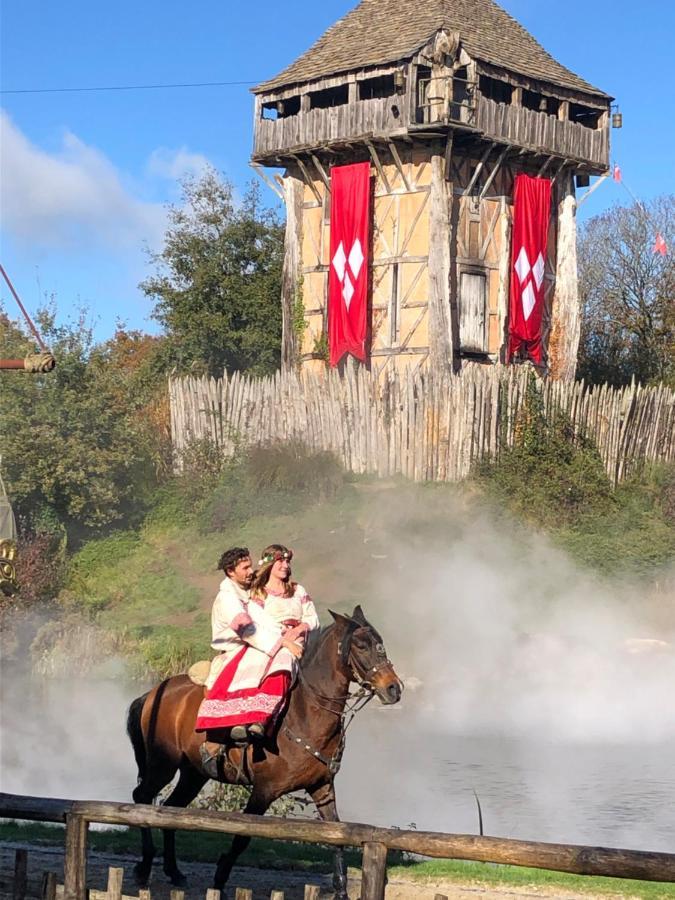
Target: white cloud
73, 198
176, 164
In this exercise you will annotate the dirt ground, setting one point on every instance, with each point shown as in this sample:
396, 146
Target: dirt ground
261, 881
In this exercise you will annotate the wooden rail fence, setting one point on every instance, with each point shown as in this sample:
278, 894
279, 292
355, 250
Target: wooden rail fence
425, 426
375, 842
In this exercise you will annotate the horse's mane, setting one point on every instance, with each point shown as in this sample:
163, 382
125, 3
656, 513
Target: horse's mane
314, 642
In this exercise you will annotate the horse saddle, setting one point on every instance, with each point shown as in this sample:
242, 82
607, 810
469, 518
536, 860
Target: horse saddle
199, 671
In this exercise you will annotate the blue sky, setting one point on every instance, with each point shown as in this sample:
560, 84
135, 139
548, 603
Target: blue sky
86, 177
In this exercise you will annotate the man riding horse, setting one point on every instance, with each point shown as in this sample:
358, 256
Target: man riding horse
249, 680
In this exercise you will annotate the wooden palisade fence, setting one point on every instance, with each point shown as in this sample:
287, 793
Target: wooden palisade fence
374, 842
425, 426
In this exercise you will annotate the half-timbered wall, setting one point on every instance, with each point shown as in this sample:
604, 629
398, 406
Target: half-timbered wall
409, 286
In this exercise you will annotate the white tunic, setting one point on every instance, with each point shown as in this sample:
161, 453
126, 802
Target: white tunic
297, 609
237, 621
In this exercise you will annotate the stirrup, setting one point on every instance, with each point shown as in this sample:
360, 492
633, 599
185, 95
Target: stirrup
210, 763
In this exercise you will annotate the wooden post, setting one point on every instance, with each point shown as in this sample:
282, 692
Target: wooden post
374, 871
115, 879
440, 334
75, 862
144, 894
277, 895
311, 892
176, 894
243, 894
213, 894
48, 891
565, 314
294, 190
20, 875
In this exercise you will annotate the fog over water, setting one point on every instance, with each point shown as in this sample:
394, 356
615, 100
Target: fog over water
549, 693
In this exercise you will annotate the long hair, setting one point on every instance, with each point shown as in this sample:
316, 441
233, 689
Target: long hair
262, 574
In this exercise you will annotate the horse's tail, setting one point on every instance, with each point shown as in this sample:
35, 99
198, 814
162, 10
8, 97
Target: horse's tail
135, 732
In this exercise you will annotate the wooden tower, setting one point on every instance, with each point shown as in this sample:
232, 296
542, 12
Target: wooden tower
449, 100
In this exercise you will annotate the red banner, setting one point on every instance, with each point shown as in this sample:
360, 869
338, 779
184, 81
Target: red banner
348, 278
531, 214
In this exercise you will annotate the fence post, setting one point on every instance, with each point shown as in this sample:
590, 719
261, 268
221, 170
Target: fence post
20, 875
75, 863
374, 871
48, 891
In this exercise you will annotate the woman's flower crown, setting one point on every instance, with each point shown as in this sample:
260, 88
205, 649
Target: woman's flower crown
275, 556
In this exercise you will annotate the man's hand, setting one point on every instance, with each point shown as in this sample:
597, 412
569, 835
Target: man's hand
295, 649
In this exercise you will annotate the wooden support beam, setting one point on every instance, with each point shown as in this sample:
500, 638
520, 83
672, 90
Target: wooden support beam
559, 170
399, 164
309, 180
378, 166
258, 169
279, 180
548, 162
592, 188
448, 155
323, 175
495, 169
479, 168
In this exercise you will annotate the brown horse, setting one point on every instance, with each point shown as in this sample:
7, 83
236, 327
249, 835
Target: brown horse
304, 754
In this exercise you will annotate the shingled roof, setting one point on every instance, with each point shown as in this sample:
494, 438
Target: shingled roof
377, 32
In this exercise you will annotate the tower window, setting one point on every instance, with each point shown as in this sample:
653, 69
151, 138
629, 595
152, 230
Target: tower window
328, 97
585, 115
374, 88
494, 89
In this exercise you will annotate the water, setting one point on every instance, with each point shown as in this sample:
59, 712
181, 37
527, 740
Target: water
67, 739
607, 794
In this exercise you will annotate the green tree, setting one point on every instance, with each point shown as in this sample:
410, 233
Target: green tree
217, 286
628, 295
78, 450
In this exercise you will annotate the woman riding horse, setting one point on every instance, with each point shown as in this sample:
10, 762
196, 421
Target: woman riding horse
304, 753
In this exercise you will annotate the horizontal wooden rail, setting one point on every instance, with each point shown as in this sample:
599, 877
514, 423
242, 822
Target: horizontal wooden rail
572, 858
34, 809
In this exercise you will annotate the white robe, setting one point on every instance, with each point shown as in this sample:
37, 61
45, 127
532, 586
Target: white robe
237, 621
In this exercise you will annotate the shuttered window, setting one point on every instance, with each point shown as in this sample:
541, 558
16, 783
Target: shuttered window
472, 313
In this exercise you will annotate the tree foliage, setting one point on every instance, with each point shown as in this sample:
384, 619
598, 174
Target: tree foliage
217, 286
79, 446
628, 295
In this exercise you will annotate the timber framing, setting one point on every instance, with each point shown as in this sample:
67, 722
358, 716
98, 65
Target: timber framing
447, 108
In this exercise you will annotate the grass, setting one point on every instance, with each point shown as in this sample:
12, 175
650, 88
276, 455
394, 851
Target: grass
198, 847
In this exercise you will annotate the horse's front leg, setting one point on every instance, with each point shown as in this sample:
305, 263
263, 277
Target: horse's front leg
324, 800
258, 804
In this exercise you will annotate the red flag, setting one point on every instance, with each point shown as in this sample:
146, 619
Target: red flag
660, 245
616, 174
348, 274
531, 214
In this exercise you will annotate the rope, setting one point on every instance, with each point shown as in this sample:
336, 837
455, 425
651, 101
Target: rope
28, 319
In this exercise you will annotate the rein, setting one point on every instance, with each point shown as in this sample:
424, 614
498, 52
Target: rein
353, 704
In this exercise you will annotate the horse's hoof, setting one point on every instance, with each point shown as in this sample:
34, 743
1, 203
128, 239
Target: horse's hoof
177, 879
141, 876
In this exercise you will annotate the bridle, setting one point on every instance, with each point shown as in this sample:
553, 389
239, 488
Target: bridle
350, 703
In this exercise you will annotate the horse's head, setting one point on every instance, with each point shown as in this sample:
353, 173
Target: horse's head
364, 656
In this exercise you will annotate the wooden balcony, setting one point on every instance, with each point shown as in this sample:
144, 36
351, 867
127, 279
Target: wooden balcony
543, 133
504, 123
